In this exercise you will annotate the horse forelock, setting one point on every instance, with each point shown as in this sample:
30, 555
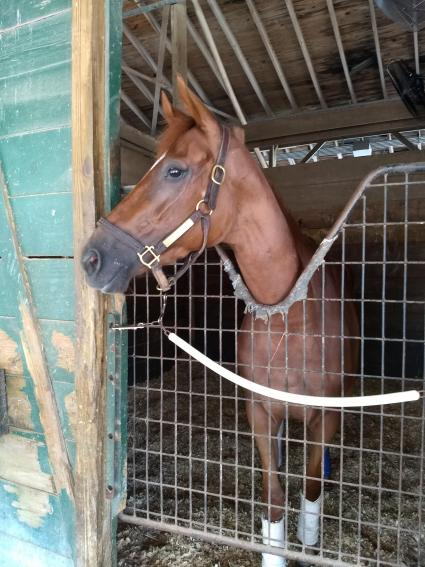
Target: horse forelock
172, 133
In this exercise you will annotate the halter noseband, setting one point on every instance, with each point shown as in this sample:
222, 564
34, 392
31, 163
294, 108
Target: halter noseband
150, 255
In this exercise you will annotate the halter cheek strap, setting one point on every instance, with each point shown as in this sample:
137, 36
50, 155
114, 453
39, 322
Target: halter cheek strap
150, 254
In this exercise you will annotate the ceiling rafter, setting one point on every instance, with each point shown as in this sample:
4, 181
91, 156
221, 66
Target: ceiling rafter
272, 54
337, 34
377, 47
230, 36
306, 54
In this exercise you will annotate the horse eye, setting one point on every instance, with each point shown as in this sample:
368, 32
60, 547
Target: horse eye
175, 172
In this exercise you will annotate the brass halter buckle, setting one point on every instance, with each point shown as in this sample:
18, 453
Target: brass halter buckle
218, 169
148, 250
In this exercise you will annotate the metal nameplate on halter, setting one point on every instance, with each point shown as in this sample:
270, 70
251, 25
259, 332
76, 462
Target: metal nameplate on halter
4, 417
178, 232
147, 250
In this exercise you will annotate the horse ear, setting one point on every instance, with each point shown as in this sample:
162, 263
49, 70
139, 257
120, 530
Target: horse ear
167, 108
239, 134
196, 108
171, 113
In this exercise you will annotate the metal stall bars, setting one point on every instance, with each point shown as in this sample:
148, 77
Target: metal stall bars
192, 464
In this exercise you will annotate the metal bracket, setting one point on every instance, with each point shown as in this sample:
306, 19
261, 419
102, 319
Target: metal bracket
113, 476
4, 414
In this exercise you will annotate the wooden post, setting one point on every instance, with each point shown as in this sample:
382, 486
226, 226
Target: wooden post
179, 46
90, 35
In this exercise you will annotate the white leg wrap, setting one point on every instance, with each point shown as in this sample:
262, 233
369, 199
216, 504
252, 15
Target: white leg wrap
309, 521
273, 534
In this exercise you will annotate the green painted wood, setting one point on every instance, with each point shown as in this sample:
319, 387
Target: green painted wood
52, 282
65, 396
46, 157
43, 43
44, 224
14, 554
18, 12
38, 100
43, 529
8, 297
59, 338
35, 149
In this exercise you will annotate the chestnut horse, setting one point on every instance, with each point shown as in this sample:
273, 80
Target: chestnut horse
207, 184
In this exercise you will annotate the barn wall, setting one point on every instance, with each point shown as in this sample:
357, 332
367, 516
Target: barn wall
36, 515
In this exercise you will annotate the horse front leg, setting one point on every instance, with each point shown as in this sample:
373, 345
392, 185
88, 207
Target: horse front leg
311, 502
265, 429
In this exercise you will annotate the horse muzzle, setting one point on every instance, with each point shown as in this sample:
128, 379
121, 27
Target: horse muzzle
108, 263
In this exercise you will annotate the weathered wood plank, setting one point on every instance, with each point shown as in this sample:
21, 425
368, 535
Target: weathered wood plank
8, 299
179, 47
15, 554
43, 101
19, 463
52, 288
333, 124
43, 43
41, 174
59, 340
36, 362
16, 13
316, 193
44, 224
94, 125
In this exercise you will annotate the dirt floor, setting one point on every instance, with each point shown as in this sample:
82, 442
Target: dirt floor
201, 470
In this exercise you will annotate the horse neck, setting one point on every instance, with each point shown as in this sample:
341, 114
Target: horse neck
263, 240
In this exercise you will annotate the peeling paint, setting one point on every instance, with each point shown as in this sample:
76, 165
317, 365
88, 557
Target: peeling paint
19, 406
65, 349
10, 359
32, 505
46, 400
19, 463
72, 410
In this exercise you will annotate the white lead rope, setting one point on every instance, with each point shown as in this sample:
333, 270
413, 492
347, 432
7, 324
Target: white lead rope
334, 402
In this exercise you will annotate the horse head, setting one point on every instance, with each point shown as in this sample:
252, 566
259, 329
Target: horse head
168, 215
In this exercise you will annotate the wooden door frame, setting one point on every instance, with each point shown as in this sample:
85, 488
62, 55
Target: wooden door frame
96, 56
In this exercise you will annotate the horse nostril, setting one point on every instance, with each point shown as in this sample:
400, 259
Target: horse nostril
91, 262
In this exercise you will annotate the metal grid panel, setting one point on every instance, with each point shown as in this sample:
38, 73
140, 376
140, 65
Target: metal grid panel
192, 461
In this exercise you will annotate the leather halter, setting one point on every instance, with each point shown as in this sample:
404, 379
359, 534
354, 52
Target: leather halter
150, 255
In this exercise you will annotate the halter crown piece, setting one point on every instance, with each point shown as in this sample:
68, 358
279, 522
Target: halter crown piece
150, 254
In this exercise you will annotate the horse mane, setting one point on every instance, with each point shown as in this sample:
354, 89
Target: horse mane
178, 126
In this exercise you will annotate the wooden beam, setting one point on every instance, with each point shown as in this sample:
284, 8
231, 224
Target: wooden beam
337, 34
213, 48
135, 109
409, 145
305, 52
131, 135
191, 77
272, 53
316, 193
313, 151
179, 47
338, 123
93, 124
377, 47
233, 42
160, 66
